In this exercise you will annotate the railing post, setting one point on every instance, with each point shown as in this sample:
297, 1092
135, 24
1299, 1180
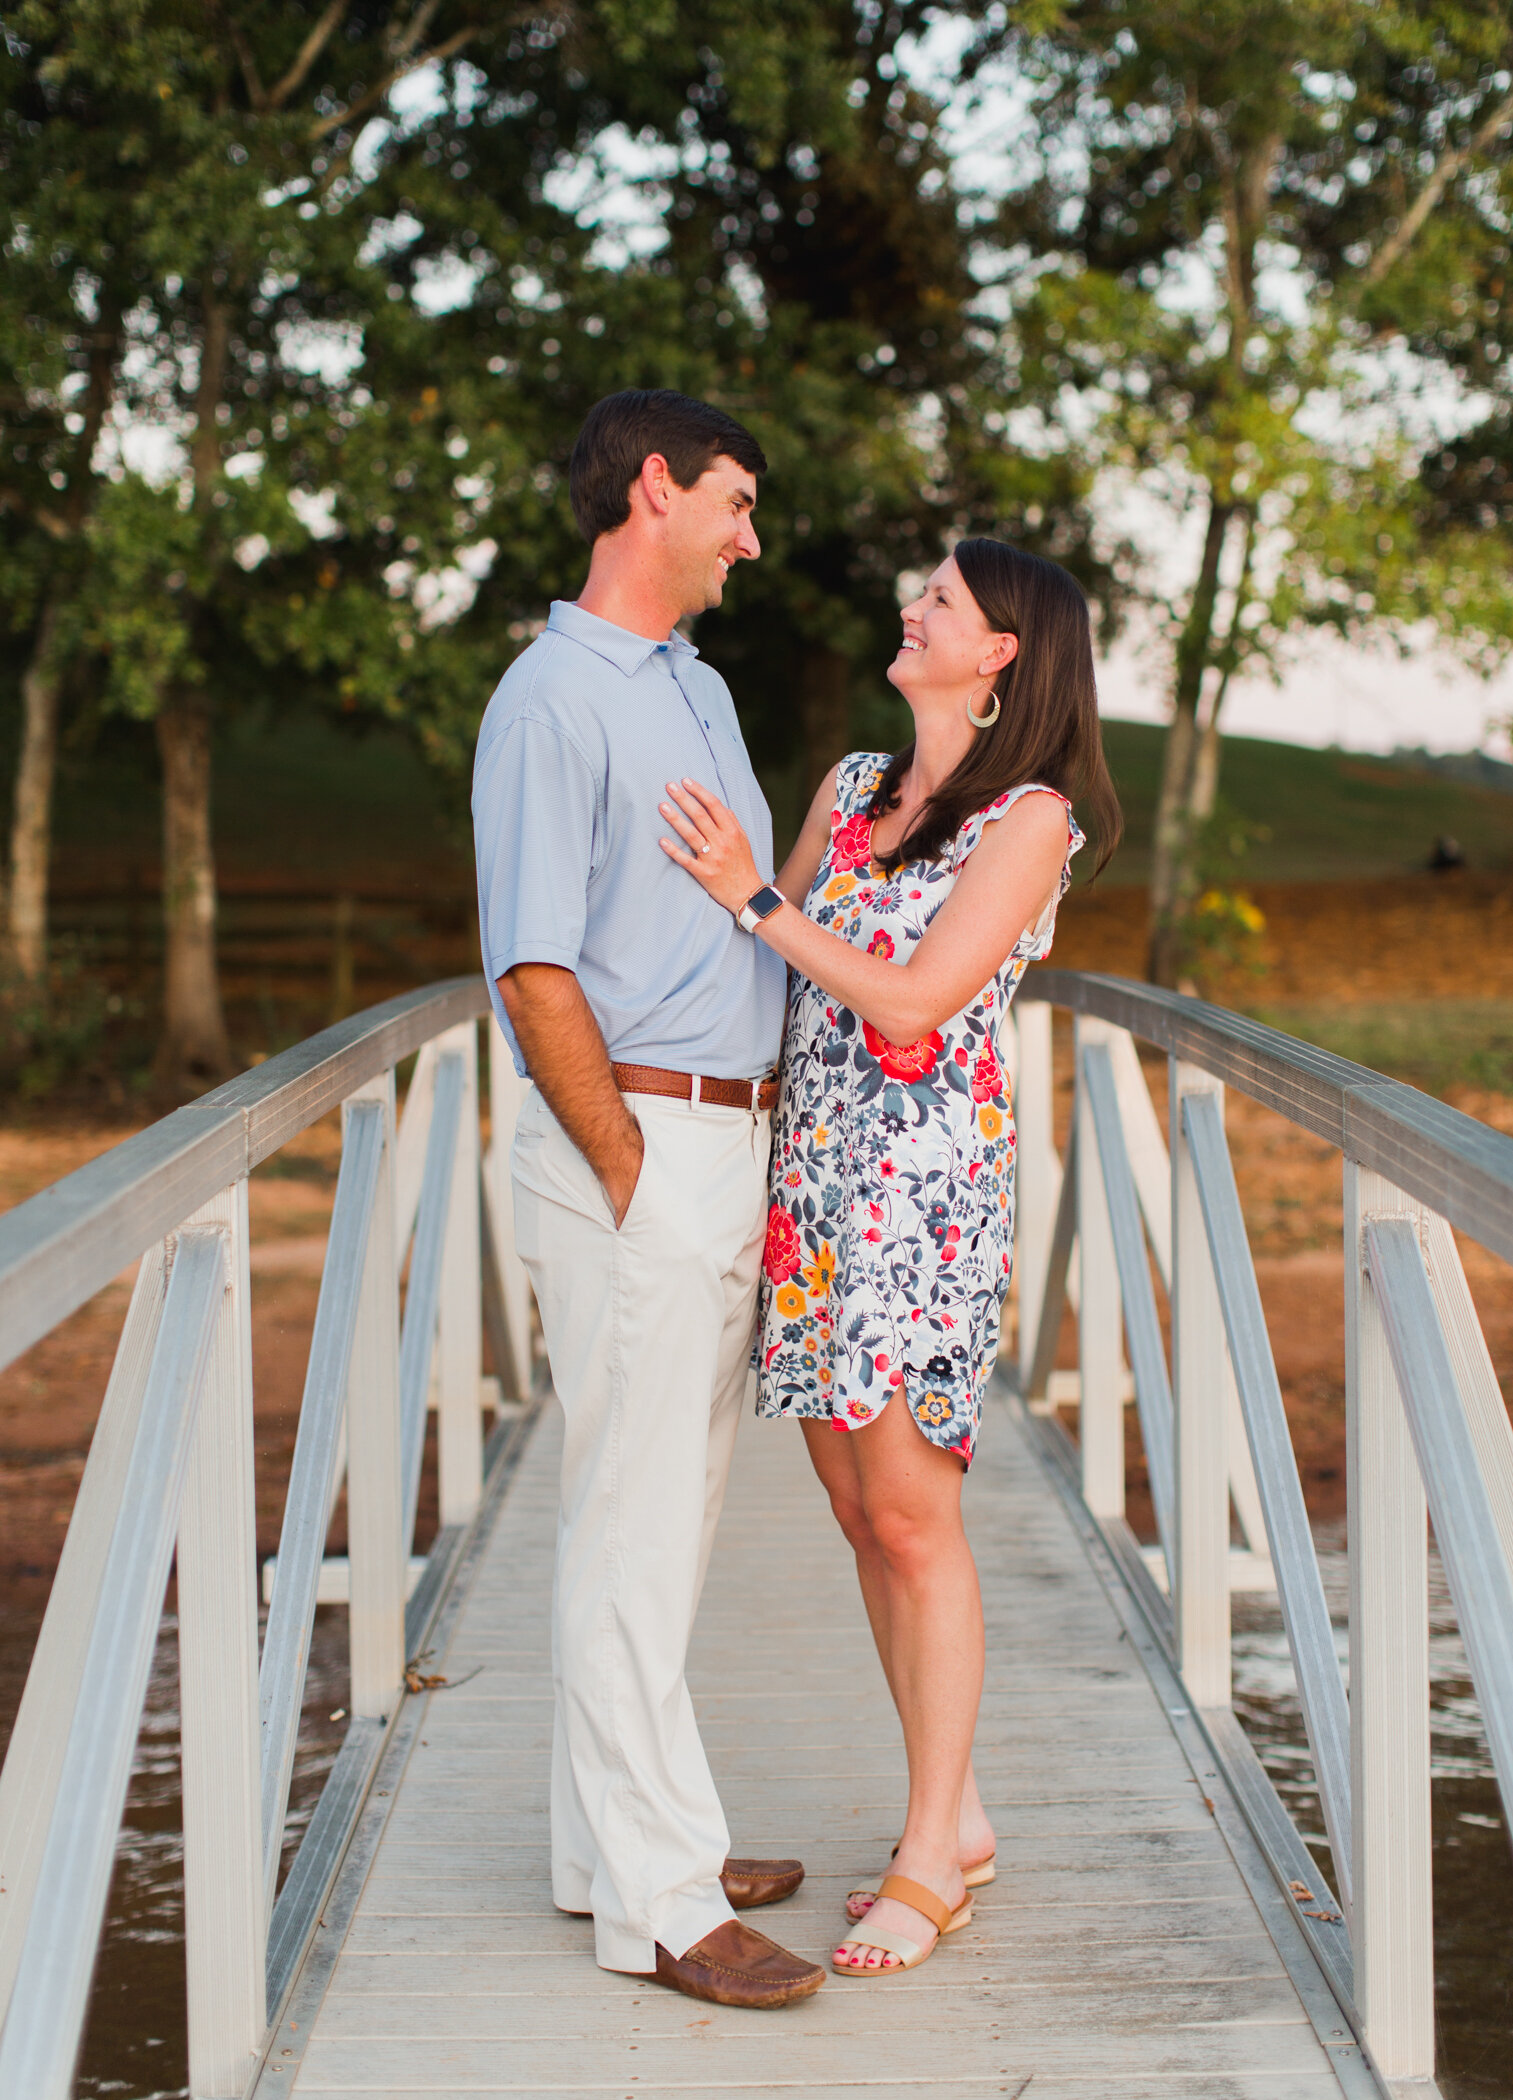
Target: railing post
376, 1553
414, 1134
1037, 1171
1486, 1411
1100, 1314
50, 1995
1147, 1150
1200, 1380
1393, 1916
29, 1781
225, 1923
507, 1090
459, 1359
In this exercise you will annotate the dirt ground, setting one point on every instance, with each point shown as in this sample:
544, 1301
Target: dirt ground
50, 1396
1411, 937
1453, 937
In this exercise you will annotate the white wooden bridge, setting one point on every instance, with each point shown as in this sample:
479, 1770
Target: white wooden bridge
1145, 1935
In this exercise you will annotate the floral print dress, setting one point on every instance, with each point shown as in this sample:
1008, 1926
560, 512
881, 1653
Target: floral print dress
891, 1228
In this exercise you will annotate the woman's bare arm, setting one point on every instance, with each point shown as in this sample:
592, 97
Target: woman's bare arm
1008, 881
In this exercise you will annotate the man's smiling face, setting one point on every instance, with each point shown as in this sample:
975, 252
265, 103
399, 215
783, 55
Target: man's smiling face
709, 530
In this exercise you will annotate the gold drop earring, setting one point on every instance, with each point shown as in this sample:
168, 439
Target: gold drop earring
984, 721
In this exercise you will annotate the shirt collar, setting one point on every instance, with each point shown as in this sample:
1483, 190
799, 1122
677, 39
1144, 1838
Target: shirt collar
617, 645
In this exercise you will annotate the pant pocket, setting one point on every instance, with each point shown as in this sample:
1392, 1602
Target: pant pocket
544, 1160
641, 1194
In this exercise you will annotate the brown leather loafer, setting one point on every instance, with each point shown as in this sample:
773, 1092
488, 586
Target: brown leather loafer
749, 1883
734, 1965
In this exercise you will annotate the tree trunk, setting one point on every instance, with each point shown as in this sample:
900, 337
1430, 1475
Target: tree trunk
1205, 782
1171, 856
194, 1048
824, 712
42, 682
31, 826
1168, 855
1204, 795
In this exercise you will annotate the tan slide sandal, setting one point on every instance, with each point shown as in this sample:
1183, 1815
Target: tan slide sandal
975, 1877
910, 1953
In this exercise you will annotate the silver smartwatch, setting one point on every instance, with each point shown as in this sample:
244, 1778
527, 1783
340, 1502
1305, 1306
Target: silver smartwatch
761, 904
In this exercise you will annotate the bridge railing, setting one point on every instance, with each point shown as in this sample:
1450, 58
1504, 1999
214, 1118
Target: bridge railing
170, 1469
170, 1478
1427, 1431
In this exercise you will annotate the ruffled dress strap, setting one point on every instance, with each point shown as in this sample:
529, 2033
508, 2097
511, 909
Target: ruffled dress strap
856, 779
1035, 941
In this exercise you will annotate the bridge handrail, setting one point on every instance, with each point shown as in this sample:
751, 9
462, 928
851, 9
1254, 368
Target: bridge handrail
1428, 1432
1458, 1166
170, 1469
177, 1416
67, 1242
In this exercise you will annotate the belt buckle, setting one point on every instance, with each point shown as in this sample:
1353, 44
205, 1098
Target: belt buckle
694, 1096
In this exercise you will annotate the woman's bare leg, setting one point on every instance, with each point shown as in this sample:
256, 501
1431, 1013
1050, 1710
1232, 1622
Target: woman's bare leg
835, 1464
910, 1494
834, 1458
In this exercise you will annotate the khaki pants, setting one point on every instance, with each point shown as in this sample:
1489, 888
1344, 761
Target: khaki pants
648, 1331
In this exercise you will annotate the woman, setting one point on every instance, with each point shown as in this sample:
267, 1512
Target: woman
929, 881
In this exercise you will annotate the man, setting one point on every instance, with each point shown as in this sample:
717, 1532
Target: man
650, 1021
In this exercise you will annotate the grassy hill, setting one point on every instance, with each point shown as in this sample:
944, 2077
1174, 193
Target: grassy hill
346, 874
308, 808
303, 807
1328, 815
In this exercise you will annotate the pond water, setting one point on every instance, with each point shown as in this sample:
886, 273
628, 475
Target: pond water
1473, 1868
134, 2044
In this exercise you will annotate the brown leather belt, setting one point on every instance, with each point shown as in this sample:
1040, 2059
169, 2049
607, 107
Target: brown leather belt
758, 1095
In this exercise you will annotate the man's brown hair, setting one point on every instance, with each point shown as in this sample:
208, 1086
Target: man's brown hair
622, 430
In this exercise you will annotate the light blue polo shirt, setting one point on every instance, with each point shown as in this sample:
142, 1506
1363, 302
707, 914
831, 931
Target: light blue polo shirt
577, 746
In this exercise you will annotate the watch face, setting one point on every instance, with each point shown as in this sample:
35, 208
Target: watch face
764, 901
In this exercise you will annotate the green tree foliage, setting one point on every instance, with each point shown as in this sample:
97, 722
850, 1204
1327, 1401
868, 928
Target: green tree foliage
814, 215
307, 300
1245, 243
305, 314
805, 269
230, 404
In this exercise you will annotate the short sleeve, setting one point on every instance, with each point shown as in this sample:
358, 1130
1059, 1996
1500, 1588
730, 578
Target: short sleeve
1035, 942
856, 780
535, 805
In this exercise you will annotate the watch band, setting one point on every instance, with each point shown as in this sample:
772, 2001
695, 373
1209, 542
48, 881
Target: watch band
761, 904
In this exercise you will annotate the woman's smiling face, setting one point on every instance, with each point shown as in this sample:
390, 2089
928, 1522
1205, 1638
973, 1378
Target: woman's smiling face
947, 643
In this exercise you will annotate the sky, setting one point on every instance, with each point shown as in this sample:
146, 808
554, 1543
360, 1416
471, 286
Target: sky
1359, 699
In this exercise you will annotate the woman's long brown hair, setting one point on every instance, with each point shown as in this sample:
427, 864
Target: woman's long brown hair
1047, 728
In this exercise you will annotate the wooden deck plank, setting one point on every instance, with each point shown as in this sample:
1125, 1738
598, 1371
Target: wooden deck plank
1112, 2008
1117, 1953
1076, 1927
1035, 1959
791, 2051
1102, 2084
